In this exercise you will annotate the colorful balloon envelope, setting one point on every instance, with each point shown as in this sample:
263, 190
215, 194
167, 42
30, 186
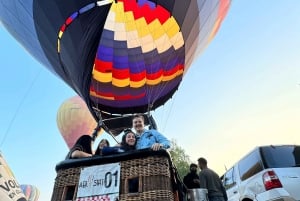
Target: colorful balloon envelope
122, 56
31, 192
74, 119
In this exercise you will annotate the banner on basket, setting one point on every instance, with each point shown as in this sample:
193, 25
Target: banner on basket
99, 183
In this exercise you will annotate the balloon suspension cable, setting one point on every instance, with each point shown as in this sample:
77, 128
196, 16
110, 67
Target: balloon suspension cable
150, 105
149, 114
108, 131
151, 120
95, 133
103, 126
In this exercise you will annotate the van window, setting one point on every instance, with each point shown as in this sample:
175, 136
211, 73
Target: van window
281, 156
229, 179
250, 165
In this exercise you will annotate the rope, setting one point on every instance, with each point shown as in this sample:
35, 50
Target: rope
19, 107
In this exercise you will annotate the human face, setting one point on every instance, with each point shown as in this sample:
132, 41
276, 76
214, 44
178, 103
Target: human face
193, 169
102, 144
200, 166
138, 124
130, 139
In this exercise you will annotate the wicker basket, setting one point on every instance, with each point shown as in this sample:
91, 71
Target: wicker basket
152, 170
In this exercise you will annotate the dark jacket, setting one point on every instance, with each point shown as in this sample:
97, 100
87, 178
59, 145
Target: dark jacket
188, 180
211, 181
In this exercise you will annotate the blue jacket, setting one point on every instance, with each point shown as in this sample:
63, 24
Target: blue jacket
149, 137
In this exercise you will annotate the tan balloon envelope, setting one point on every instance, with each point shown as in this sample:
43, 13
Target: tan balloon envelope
74, 120
9, 188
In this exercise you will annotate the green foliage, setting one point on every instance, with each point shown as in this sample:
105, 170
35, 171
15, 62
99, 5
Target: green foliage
180, 159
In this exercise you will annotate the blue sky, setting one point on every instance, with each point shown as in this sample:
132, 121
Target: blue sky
243, 91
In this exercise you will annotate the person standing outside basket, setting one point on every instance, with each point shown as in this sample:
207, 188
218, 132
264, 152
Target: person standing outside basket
191, 180
148, 138
210, 180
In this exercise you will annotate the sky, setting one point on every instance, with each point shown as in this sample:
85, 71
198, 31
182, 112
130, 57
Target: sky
243, 91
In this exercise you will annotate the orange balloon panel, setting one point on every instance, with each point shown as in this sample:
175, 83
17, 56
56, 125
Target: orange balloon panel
74, 119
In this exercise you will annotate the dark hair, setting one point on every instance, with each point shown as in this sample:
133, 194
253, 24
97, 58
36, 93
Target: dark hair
107, 142
98, 150
202, 161
139, 115
124, 145
127, 130
83, 143
193, 165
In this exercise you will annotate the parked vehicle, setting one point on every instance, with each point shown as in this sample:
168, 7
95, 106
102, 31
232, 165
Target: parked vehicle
266, 173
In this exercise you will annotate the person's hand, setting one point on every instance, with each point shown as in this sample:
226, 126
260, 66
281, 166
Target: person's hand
89, 155
156, 146
197, 181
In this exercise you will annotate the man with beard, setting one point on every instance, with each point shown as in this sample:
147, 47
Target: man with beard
191, 180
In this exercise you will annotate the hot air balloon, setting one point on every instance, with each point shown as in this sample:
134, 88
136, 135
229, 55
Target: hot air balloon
74, 119
123, 56
31, 192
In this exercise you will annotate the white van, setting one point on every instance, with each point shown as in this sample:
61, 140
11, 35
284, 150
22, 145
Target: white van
266, 173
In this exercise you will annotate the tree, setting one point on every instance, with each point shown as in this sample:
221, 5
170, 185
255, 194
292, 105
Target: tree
180, 159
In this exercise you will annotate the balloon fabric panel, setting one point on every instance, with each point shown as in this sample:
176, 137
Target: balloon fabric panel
119, 56
134, 34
